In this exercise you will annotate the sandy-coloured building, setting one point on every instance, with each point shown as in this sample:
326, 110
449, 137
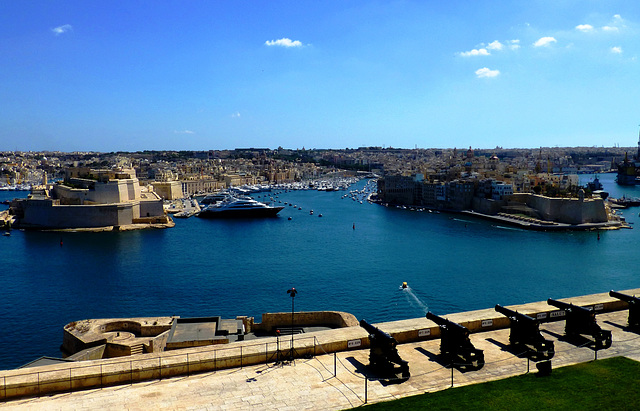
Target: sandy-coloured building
91, 199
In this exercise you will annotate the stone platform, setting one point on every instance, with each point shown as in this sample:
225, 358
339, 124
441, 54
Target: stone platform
312, 384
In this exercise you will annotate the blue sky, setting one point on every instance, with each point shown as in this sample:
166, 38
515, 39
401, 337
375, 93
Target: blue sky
198, 75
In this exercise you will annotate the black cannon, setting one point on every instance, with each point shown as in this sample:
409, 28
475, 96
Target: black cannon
525, 334
383, 355
582, 321
634, 307
455, 345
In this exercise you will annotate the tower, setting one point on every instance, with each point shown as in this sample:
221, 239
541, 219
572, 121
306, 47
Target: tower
638, 157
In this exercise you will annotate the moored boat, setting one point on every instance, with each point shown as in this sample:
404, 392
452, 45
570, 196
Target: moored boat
233, 207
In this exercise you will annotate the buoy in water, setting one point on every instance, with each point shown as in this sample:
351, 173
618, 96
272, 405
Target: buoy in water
404, 284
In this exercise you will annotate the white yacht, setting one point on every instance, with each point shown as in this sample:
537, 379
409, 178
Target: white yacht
233, 207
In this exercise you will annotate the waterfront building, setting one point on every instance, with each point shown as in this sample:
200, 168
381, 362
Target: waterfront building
500, 189
168, 190
493, 197
201, 185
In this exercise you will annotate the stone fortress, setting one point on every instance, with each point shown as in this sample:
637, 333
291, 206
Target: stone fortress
97, 199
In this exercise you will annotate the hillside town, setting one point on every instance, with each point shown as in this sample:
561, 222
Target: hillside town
497, 182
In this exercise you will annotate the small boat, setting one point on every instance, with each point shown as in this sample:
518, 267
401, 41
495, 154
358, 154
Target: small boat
404, 285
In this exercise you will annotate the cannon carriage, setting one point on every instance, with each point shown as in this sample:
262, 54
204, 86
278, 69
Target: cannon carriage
384, 359
455, 346
581, 321
525, 334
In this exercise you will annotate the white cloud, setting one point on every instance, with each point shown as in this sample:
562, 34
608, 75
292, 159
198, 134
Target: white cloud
615, 25
236, 115
584, 27
487, 73
545, 42
62, 29
495, 45
514, 44
475, 52
283, 42
183, 132
616, 50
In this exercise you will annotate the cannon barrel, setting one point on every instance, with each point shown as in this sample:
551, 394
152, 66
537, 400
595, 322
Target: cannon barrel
634, 307
514, 315
375, 331
567, 306
631, 299
443, 322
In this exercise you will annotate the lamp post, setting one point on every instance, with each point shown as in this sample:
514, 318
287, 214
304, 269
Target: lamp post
292, 292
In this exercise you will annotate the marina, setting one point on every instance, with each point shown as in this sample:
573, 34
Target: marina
352, 259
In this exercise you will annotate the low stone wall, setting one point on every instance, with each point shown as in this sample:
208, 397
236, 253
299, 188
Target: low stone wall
93, 353
319, 318
83, 334
158, 343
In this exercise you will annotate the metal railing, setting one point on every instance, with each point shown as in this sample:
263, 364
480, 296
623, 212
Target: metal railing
143, 368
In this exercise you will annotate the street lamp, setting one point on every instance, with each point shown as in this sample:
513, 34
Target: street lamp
292, 292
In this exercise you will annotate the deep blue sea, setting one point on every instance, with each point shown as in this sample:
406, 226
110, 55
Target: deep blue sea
215, 267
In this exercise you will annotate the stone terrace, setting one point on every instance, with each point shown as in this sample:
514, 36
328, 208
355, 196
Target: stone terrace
312, 384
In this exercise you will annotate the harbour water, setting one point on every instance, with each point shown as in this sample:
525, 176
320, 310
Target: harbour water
354, 258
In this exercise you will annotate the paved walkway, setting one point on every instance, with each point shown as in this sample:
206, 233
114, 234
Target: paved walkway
311, 384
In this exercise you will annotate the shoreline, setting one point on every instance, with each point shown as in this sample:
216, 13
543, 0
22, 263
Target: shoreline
529, 224
524, 223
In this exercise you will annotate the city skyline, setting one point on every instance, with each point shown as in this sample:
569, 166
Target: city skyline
81, 76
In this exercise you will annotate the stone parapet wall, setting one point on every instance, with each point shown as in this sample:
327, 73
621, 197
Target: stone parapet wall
100, 373
320, 318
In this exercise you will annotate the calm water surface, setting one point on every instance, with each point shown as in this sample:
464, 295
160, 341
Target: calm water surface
208, 267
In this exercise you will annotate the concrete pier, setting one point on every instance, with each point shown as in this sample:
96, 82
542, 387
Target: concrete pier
331, 372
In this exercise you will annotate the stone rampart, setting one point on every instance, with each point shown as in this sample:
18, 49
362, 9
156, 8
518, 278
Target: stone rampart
565, 210
101, 373
44, 214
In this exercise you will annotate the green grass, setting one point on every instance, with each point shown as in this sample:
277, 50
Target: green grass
600, 385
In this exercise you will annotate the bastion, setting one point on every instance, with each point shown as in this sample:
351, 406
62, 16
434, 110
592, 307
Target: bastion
78, 375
